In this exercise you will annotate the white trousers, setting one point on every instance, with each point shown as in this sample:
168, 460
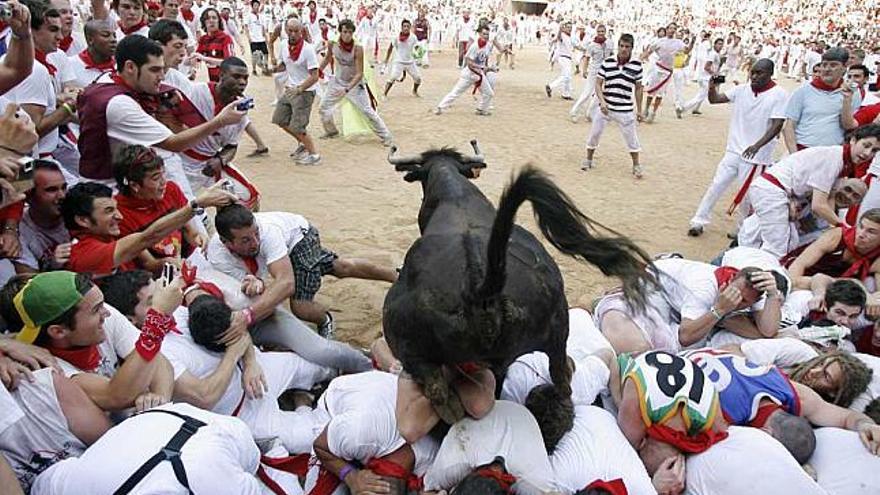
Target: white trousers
359, 97
768, 227
564, 79
465, 83
732, 167
586, 97
626, 121
678, 82
398, 69
696, 101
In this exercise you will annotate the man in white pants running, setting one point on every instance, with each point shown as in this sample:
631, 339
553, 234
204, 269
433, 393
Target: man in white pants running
710, 69
476, 73
757, 119
562, 54
597, 51
348, 82
404, 61
618, 82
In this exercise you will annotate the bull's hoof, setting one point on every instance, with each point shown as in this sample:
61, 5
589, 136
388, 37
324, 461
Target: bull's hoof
451, 411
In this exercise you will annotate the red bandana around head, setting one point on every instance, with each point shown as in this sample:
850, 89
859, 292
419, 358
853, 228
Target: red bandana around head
818, 83
724, 274
133, 29
505, 480
40, 56
861, 265
87, 60
84, 358
295, 49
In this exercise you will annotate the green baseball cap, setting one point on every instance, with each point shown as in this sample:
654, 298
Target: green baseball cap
45, 297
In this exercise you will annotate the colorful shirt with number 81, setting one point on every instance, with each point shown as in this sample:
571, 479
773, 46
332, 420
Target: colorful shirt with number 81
667, 384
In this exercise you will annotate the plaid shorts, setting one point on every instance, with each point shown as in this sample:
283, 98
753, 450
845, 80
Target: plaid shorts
310, 262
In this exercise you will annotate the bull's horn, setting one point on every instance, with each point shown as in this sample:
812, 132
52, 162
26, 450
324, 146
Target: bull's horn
478, 155
401, 161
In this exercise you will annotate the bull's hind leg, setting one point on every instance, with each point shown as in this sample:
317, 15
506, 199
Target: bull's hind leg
438, 390
560, 370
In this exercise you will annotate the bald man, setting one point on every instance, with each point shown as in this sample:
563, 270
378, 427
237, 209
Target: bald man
757, 117
294, 107
97, 58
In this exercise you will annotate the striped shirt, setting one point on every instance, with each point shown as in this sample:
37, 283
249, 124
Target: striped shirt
620, 83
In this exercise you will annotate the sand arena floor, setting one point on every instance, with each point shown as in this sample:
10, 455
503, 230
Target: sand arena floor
364, 209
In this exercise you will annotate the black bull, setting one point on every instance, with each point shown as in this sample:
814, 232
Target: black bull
475, 287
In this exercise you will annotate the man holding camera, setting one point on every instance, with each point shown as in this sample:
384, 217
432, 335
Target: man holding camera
757, 117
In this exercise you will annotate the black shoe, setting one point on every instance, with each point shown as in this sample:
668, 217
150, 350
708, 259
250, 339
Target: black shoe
695, 231
549, 91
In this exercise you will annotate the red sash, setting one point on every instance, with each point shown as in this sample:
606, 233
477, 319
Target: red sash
744, 189
773, 180
665, 80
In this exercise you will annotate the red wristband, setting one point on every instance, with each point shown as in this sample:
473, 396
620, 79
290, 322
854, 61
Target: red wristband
156, 326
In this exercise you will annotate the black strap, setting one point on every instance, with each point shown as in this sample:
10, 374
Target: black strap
170, 452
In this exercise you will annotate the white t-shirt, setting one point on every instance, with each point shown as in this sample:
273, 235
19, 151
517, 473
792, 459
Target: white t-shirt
38, 89
591, 374
298, 71
563, 46
83, 76
843, 465
782, 352
279, 233
595, 449
812, 168
363, 423
10, 413
710, 56
666, 49
598, 53
691, 287
480, 56
220, 458
403, 50
508, 431
747, 461
466, 29
750, 118
873, 391
255, 26
119, 340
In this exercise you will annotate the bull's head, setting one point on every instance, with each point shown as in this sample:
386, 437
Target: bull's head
418, 166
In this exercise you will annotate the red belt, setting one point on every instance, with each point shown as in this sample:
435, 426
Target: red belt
195, 155
741, 194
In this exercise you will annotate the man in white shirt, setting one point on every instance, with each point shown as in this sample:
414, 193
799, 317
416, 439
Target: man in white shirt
658, 80
465, 32
597, 50
404, 63
255, 24
97, 58
287, 247
505, 446
757, 118
476, 73
710, 67
71, 42
562, 54
294, 107
693, 298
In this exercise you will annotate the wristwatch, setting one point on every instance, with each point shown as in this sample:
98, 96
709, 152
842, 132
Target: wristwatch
196, 209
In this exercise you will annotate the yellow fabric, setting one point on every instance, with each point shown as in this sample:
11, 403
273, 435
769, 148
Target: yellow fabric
680, 60
29, 331
353, 121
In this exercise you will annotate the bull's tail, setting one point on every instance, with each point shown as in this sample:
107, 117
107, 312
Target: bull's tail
568, 229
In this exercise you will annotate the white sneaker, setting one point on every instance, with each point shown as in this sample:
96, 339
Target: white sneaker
586, 164
314, 159
299, 152
573, 118
650, 118
437, 111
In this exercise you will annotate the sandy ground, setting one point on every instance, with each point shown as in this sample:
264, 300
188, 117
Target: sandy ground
364, 209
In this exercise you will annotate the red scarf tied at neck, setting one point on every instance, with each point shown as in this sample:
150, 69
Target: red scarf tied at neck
851, 169
84, 358
188, 14
600, 40
346, 46
613, 487
324, 32
767, 87
481, 43
724, 275
295, 49
133, 29
818, 83
383, 467
403, 37
466, 18
313, 16
87, 60
40, 56
65, 43
861, 264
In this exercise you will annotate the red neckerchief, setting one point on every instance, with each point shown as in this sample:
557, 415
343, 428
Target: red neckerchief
504, 480
481, 42
382, 467
861, 265
296, 49
126, 31
312, 17
225, 16
613, 487
848, 169
686, 443
218, 105
65, 43
120, 81
324, 32
763, 415
346, 46
40, 56
582, 35
600, 40
818, 83
251, 263
86, 57
767, 87
3, 25
188, 14
84, 358
466, 18
403, 38
724, 274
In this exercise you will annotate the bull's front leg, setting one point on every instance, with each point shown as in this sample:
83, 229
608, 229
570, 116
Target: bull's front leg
437, 389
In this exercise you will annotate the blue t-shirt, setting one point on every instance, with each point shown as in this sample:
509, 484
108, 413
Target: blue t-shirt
817, 114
